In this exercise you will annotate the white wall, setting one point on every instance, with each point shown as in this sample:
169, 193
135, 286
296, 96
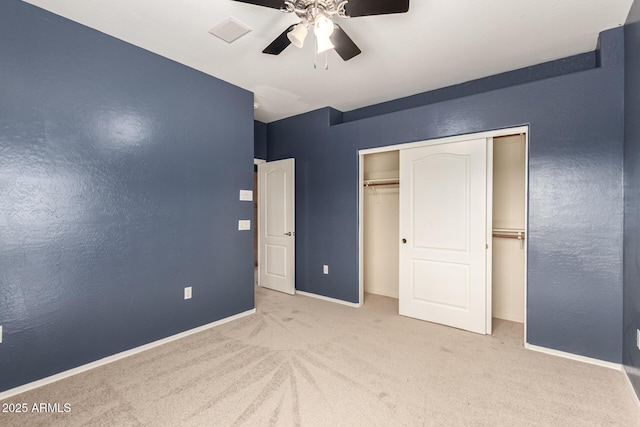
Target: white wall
381, 223
508, 213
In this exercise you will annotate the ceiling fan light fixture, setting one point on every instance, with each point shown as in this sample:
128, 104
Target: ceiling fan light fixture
298, 34
319, 14
324, 44
323, 27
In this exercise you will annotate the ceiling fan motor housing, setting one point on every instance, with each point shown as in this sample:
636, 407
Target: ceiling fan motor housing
309, 10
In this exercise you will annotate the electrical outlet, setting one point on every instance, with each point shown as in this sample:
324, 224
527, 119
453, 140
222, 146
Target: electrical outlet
187, 292
244, 224
325, 269
246, 195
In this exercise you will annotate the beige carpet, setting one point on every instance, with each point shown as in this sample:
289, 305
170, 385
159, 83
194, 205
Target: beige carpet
302, 361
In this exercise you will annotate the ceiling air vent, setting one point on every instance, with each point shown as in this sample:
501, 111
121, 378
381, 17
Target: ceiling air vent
230, 30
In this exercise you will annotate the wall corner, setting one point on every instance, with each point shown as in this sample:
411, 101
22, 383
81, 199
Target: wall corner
610, 48
335, 117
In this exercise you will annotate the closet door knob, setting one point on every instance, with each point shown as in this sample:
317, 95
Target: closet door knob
404, 241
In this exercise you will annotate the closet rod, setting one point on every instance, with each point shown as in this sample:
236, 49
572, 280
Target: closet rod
373, 184
519, 236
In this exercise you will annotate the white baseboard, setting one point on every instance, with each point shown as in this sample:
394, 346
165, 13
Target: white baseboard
590, 360
381, 292
337, 301
110, 359
508, 317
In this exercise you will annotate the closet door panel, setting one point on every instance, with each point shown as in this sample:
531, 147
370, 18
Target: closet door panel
443, 231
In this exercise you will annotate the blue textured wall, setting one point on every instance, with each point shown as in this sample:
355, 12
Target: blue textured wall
631, 354
572, 64
119, 180
259, 140
575, 193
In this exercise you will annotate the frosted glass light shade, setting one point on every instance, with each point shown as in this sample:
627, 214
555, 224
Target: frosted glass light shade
323, 26
324, 44
298, 34
323, 29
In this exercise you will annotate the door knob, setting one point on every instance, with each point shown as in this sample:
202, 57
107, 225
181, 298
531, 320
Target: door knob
288, 233
404, 241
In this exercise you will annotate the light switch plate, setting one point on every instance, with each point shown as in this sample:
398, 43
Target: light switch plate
246, 195
187, 292
325, 269
0, 333
244, 224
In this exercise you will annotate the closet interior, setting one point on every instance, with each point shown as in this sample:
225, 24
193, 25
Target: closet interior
509, 201
381, 225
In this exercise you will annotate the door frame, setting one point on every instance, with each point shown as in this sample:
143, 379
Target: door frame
256, 280
480, 135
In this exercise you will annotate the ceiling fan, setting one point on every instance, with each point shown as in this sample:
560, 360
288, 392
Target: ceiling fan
318, 14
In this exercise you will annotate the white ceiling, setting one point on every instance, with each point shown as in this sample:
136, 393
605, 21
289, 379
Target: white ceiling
436, 44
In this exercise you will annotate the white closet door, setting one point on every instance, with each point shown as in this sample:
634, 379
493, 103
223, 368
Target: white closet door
443, 232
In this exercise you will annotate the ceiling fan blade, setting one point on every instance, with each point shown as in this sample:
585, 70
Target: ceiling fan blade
344, 46
279, 44
275, 4
356, 8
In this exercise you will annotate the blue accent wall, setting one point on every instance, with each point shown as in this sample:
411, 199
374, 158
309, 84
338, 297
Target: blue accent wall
119, 180
259, 140
575, 193
631, 354
572, 64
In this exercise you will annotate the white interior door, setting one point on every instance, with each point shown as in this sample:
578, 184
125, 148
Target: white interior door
443, 232
277, 224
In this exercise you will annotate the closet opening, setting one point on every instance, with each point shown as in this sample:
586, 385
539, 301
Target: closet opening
380, 239
509, 236
381, 220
